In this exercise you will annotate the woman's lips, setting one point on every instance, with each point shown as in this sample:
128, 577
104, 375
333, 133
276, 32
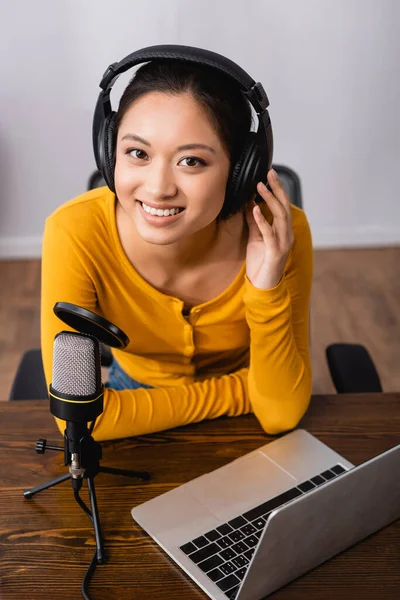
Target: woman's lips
156, 220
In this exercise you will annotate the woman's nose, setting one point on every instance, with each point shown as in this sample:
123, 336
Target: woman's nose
160, 182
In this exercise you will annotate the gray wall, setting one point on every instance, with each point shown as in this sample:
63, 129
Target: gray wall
330, 68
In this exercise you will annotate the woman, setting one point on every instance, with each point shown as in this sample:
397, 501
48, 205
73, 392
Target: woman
213, 297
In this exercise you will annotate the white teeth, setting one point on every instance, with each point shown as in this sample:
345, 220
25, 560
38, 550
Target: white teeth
160, 212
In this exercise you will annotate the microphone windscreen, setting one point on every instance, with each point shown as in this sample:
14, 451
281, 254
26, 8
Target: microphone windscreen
76, 365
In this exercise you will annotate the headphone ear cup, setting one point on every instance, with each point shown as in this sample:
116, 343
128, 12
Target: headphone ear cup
108, 155
104, 153
250, 168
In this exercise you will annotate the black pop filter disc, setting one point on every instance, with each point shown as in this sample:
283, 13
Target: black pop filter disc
86, 321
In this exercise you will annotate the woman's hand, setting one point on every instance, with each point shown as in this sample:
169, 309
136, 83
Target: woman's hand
268, 245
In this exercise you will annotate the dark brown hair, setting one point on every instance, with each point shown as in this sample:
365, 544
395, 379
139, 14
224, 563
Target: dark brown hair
218, 94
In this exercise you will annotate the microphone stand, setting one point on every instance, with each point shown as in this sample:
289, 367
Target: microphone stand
83, 454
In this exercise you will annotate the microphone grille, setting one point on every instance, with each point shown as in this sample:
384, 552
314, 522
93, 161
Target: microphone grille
76, 365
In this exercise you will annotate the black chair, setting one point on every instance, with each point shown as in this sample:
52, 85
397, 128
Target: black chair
291, 183
352, 369
29, 382
96, 180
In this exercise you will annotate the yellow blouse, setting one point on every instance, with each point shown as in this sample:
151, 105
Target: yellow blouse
246, 350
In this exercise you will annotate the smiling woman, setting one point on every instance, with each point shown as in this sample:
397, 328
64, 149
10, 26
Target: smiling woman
162, 175
212, 292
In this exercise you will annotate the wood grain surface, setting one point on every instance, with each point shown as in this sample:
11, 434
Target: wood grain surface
47, 542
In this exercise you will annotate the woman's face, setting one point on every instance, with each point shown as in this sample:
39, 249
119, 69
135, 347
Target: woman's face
156, 166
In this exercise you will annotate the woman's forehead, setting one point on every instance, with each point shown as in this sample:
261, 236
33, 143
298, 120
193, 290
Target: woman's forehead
179, 111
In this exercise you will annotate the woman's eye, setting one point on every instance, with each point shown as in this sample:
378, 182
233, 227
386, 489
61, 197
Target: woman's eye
198, 161
133, 150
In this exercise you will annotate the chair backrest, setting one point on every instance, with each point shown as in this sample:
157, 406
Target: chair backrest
95, 180
291, 182
352, 369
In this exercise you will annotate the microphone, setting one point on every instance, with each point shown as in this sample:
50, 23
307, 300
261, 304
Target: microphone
76, 391
76, 396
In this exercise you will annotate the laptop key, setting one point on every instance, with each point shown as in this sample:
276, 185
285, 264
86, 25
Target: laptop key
270, 505
236, 536
240, 547
224, 542
233, 593
238, 522
200, 542
204, 553
338, 469
210, 563
259, 523
318, 480
224, 529
328, 474
258, 534
267, 516
306, 486
249, 553
227, 554
241, 572
188, 548
212, 535
228, 568
215, 574
251, 541
248, 529
240, 561
228, 582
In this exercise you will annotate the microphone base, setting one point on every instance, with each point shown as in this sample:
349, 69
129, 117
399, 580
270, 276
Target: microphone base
45, 486
145, 475
88, 452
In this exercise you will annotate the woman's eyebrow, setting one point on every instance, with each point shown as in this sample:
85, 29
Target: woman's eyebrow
137, 138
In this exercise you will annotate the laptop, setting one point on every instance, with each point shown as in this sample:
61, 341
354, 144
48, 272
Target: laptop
250, 527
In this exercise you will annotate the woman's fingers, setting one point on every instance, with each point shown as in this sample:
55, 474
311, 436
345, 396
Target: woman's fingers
278, 203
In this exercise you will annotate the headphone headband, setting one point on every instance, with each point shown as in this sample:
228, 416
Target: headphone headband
254, 90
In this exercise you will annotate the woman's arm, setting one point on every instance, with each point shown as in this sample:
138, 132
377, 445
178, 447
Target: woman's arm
280, 378
138, 412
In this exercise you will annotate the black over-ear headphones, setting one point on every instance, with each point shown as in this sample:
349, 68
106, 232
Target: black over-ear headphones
256, 158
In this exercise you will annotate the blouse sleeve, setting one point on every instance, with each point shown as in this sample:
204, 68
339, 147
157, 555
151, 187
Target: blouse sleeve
280, 377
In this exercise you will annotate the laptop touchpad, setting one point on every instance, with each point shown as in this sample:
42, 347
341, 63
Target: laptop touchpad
240, 485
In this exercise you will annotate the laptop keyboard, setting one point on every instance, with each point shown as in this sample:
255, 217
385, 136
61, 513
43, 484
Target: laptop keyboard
224, 553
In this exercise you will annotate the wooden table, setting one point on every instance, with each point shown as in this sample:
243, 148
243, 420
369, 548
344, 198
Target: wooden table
47, 542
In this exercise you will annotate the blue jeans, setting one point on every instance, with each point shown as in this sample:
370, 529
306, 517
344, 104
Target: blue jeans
119, 380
